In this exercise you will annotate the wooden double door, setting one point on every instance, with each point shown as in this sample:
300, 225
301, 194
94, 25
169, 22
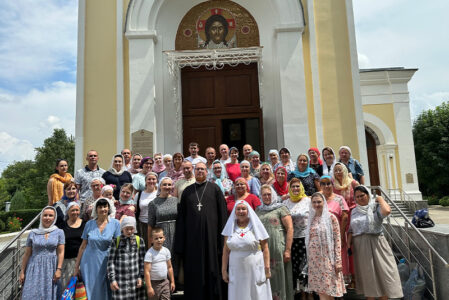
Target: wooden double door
221, 106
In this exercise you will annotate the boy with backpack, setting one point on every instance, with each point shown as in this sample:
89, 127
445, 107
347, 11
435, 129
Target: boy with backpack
158, 267
125, 263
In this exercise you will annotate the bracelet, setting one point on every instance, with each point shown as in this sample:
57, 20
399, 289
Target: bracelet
60, 269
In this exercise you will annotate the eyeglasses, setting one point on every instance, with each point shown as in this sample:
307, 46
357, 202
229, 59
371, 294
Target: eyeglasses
326, 183
93, 155
217, 168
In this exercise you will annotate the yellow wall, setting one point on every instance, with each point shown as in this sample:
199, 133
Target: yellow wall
100, 79
385, 112
334, 65
308, 78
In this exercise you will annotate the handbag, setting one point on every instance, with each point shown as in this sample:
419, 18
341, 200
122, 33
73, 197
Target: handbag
69, 292
80, 292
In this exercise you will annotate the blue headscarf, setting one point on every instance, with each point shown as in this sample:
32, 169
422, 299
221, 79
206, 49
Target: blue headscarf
222, 175
307, 171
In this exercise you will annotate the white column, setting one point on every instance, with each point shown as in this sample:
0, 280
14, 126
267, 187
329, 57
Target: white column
79, 125
119, 78
294, 120
388, 154
141, 82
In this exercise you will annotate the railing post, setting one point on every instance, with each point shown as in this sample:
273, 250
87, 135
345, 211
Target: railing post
432, 272
16, 270
407, 241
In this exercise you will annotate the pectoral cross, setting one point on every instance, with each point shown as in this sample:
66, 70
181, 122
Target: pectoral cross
199, 206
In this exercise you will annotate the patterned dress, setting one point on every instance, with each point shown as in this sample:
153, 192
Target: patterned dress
162, 212
125, 265
321, 272
281, 273
42, 266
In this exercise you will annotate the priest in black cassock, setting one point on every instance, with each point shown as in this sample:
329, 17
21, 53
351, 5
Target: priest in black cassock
201, 218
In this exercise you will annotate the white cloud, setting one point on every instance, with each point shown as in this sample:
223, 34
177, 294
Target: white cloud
420, 103
14, 149
34, 115
364, 61
37, 40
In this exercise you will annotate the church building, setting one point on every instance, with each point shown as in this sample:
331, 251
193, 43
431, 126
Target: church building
154, 75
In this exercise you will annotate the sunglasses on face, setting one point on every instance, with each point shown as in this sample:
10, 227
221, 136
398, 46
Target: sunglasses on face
326, 183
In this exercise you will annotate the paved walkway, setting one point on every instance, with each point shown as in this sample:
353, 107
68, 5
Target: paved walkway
439, 214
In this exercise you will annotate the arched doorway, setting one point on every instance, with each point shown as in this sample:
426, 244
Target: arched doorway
371, 148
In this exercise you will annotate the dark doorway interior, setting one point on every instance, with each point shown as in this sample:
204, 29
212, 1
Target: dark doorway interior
372, 159
238, 132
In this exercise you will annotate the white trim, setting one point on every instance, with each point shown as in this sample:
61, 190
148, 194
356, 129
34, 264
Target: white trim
79, 125
120, 136
315, 76
360, 127
143, 34
295, 27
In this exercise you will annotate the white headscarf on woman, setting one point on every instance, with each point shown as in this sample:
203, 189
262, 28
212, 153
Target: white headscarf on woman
114, 171
71, 204
42, 229
326, 169
94, 208
255, 225
368, 209
325, 222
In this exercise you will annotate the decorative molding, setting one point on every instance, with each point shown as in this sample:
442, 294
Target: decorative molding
143, 34
295, 27
211, 59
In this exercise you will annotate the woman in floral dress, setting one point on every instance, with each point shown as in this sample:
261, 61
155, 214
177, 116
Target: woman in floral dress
276, 218
323, 251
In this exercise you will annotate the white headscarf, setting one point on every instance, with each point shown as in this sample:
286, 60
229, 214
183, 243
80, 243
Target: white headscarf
73, 203
254, 224
128, 221
94, 208
346, 148
368, 209
324, 222
326, 170
114, 171
52, 227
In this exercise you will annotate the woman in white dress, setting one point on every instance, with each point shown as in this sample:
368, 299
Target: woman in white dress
246, 250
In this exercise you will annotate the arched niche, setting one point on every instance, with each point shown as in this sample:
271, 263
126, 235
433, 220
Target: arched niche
217, 25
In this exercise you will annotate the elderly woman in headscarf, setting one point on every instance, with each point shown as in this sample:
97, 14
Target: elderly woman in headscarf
159, 166
280, 184
117, 174
73, 228
253, 182
219, 178
242, 192
315, 160
42, 261
376, 272
266, 174
249, 267
254, 157
70, 193
167, 160
286, 161
96, 185
146, 164
298, 204
277, 220
309, 178
176, 173
323, 251
273, 158
355, 168
55, 185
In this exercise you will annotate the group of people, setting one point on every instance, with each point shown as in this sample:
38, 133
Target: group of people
216, 228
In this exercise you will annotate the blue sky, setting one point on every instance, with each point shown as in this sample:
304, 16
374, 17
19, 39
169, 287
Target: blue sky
38, 61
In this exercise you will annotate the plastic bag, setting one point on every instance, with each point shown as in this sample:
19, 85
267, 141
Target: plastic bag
421, 219
404, 271
415, 286
69, 292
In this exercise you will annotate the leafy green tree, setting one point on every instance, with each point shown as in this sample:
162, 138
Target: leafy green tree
20, 175
4, 195
431, 137
18, 201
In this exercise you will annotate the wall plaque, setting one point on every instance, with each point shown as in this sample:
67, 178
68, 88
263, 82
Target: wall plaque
142, 142
409, 178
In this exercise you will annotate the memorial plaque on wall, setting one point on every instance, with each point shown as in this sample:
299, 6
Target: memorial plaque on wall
409, 178
142, 142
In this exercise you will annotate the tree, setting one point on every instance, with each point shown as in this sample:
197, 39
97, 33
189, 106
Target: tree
431, 138
31, 177
4, 195
18, 201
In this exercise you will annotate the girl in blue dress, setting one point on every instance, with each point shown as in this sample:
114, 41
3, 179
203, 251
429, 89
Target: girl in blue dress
93, 254
42, 262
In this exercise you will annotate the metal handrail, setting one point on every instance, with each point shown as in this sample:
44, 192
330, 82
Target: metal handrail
28, 226
423, 238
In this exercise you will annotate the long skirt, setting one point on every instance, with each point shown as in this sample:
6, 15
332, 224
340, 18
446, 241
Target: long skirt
247, 276
68, 268
299, 262
376, 272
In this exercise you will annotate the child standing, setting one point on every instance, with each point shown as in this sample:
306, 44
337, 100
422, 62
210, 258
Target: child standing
157, 267
125, 263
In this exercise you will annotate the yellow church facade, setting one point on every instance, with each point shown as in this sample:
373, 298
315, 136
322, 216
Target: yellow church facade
156, 74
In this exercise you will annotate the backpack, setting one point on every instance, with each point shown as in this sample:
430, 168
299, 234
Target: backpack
117, 242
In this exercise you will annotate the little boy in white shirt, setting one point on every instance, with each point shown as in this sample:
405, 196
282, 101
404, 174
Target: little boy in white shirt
157, 267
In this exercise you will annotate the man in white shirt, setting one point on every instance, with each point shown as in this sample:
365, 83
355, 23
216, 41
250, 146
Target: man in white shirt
181, 184
224, 152
194, 157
